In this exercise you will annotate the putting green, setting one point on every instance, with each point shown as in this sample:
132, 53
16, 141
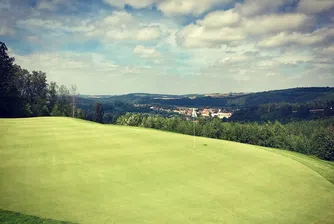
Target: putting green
73, 170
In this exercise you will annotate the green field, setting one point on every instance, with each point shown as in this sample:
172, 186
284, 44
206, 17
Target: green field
83, 172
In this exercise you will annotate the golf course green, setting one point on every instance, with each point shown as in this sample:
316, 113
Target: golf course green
78, 171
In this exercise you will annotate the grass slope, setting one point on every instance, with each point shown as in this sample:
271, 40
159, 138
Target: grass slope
8, 217
67, 169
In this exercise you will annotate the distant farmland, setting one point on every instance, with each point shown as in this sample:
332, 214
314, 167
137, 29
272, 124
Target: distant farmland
83, 172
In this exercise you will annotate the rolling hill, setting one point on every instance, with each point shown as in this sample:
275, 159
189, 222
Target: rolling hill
237, 100
83, 172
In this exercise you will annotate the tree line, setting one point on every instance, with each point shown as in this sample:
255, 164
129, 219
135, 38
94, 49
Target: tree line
28, 94
314, 137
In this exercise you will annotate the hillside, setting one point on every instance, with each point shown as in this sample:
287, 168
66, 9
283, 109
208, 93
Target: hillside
295, 95
83, 172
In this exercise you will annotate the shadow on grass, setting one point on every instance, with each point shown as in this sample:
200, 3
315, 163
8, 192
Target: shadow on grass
8, 217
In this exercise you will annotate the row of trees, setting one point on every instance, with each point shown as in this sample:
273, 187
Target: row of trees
27, 94
308, 137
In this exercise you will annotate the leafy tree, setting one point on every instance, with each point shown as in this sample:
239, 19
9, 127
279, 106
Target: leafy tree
64, 101
56, 111
323, 143
8, 90
81, 113
52, 95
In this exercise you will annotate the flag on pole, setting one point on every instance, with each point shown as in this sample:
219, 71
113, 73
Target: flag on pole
194, 114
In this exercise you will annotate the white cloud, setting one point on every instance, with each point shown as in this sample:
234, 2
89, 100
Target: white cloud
55, 25
227, 27
183, 7
276, 23
220, 19
284, 38
171, 7
121, 25
149, 33
234, 59
315, 6
119, 18
146, 52
294, 58
119, 34
199, 36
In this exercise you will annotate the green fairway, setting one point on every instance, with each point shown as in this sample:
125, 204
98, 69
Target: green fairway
83, 172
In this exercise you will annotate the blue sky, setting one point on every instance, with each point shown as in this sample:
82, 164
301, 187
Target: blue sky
173, 46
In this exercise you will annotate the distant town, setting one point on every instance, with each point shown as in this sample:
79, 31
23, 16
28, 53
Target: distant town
186, 111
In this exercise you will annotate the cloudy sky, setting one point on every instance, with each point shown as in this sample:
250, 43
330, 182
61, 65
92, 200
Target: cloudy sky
173, 46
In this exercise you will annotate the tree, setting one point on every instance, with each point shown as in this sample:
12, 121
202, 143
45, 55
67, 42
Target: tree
81, 113
39, 91
64, 101
323, 144
8, 91
52, 95
98, 112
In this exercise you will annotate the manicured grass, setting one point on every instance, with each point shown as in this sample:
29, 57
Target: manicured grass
8, 217
67, 169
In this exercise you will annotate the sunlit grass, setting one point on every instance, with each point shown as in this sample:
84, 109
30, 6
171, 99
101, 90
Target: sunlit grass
78, 171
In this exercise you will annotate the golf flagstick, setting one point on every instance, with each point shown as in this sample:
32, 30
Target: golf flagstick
194, 115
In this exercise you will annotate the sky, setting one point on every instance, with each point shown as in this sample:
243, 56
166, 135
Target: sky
173, 46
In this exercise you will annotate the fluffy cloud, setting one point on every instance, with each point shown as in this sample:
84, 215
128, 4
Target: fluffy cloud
228, 27
121, 25
283, 38
171, 7
149, 33
118, 18
276, 23
220, 19
234, 59
199, 36
315, 6
66, 24
183, 7
146, 52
